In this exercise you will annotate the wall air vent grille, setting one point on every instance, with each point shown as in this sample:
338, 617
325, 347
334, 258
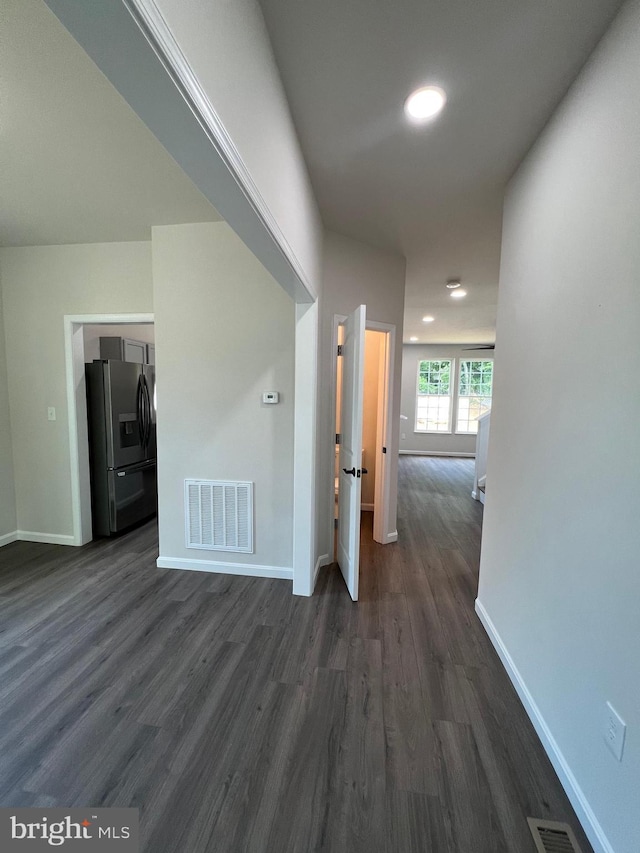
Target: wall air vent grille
219, 515
553, 837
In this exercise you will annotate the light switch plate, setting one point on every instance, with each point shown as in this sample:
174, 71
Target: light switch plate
51, 413
271, 397
614, 731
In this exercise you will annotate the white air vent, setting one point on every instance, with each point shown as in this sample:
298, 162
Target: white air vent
219, 515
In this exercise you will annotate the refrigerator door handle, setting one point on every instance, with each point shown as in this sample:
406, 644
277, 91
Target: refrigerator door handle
140, 410
147, 410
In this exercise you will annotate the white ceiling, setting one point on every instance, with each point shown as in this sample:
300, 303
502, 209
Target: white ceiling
433, 193
77, 164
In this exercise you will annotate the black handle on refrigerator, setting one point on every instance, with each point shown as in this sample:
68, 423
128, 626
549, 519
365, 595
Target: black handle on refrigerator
147, 399
140, 410
146, 412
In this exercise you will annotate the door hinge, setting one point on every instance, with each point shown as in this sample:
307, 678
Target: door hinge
339, 349
337, 438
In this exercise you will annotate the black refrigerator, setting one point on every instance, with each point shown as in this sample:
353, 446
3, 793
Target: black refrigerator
122, 444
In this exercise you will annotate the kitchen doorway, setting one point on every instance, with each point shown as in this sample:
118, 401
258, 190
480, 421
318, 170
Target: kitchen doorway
79, 348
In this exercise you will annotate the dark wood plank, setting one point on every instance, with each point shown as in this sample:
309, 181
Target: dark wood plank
313, 772
362, 753
415, 822
469, 814
410, 739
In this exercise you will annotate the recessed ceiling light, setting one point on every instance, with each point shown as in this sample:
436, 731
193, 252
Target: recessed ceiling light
425, 103
428, 319
413, 339
452, 283
458, 294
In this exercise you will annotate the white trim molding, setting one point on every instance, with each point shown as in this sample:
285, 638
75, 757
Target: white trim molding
576, 795
47, 538
159, 35
8, 538
390, 537
437, 453
304, 448
323, 560
244, 569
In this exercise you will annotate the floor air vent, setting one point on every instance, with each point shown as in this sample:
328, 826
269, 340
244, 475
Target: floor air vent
553, 837
219, 515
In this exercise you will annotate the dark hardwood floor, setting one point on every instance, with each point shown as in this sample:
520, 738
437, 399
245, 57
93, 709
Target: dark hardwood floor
237, 717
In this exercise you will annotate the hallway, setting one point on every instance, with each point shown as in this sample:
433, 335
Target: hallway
237, 717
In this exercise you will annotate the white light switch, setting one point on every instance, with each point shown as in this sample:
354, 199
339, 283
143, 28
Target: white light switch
51, 413
614, 731
271, 397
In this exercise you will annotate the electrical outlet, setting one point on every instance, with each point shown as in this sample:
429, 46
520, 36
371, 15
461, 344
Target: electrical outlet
614, 731
51, 413
404, 435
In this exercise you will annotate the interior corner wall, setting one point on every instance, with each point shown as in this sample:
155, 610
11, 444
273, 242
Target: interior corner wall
354, 274
8, 520
559, 579
40, 285
224, 334
421, 442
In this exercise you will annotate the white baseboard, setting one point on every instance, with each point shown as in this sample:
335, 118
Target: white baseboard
581, 806
367, 507
390, 537
246, 569
323, 560
436, 453
47, 538
6, 538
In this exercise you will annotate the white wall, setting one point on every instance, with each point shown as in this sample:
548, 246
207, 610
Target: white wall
40, 285
426, 442
559, 576
92, 334
8, 522
224, 334
354, 274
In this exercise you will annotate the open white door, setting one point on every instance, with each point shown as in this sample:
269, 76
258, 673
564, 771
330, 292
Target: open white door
351, 448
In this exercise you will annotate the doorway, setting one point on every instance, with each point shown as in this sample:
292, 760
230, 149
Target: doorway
372, 416
376, 394
81, 340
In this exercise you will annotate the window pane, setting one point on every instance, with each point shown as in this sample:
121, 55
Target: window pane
474, 393
433, 404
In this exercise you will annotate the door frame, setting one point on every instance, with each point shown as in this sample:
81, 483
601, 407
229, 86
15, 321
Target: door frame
381, 530
77, 412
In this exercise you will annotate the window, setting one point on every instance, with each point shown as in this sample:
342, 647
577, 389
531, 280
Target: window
433, 409
474, 393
